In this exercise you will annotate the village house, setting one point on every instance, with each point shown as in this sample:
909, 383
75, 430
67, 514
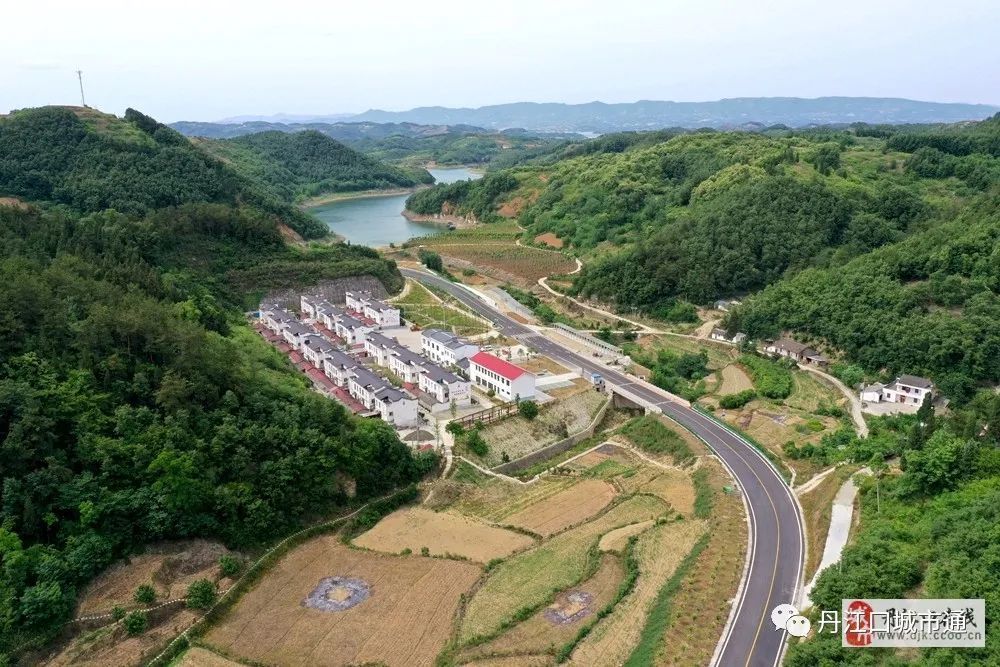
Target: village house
445, 386
307, 306
507, 381
356, 300
393, 405
721, 335
445, 348
381, 314
339, 367
792, 349
351, 330
316, 349
406, 365
909, 390
327, 314
379, 347
295, 334
275, 318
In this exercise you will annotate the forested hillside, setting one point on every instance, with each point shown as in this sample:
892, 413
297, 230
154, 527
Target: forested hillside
92, 161
879, 240
136, 404
307, 164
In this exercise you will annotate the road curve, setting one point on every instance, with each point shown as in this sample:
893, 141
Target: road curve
777, 545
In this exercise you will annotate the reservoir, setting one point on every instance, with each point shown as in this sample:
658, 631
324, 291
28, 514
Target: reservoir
378, 221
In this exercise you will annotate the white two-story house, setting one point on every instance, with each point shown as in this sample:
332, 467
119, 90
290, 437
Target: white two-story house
381, 314
351, 330
909, 390
379, 347
445, 348
339, 367
275, 319
393, 405
445, 386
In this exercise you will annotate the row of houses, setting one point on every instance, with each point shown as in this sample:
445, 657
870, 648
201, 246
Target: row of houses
375, 393
443, 386
382, 314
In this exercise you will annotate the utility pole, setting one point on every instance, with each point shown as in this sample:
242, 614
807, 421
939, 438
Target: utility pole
79, 76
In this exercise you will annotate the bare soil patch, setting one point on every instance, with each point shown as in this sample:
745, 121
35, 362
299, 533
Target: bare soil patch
202, 657
405, 621
549, 239
443, 534
566, 508
734, 380
170, 568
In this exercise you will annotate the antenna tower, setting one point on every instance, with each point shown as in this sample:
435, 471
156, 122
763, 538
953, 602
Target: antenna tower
79, 76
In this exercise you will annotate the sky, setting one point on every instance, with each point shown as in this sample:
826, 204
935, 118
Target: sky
211, 59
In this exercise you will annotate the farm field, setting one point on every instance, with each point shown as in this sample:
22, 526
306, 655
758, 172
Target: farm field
442, 533
659, 551
734, 380
524, 263
272, 624
556, 623
528, 579
517, 436
426, 311
569, 507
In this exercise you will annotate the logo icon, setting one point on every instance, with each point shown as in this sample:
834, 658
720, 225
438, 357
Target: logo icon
781, 614
858, 624
797, 626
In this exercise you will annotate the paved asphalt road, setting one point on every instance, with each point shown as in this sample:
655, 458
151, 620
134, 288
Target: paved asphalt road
776, 549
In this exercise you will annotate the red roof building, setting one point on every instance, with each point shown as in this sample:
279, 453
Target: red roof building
503, 378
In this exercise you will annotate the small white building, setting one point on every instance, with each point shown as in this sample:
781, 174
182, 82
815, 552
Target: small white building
351, 330
356, 300
445, 386
719, 334
406, 365
275, 318
445, 348
339, 367
381, 314
393, 405
909, 390
315, 349
379, 347
307, 306
295, 334
507, 381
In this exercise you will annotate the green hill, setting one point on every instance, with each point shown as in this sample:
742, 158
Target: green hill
136, 404
300, 165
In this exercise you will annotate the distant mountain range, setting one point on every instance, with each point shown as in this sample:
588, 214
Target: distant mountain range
651, 115
341, 131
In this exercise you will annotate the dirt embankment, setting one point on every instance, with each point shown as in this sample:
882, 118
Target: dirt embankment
460, 222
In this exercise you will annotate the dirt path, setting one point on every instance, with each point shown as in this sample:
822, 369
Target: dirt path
856, 416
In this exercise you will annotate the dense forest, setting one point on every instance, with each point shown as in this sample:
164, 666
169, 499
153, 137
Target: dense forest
136, 404
307, 164
90, 161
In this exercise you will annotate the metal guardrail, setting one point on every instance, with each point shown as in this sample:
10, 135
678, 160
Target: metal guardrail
590, 340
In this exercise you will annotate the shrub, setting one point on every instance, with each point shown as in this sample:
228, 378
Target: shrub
230, 565
136, 623
737, 400
118, 612
528, 409
431, 260
145, 594
201, 594
772, 379
476, 443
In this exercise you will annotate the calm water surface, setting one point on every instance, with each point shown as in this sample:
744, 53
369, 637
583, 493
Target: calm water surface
378, 221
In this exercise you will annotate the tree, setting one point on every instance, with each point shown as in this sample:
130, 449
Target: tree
136, 623
937, 467
145, 594
431, 260
201, 594
528, 409
230, 565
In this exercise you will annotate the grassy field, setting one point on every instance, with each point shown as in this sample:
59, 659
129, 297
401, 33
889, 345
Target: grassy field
659, 551
423, 309
531, 578
567, 508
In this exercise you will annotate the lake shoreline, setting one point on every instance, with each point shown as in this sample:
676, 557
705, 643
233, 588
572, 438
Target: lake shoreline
322, 200
439, 219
